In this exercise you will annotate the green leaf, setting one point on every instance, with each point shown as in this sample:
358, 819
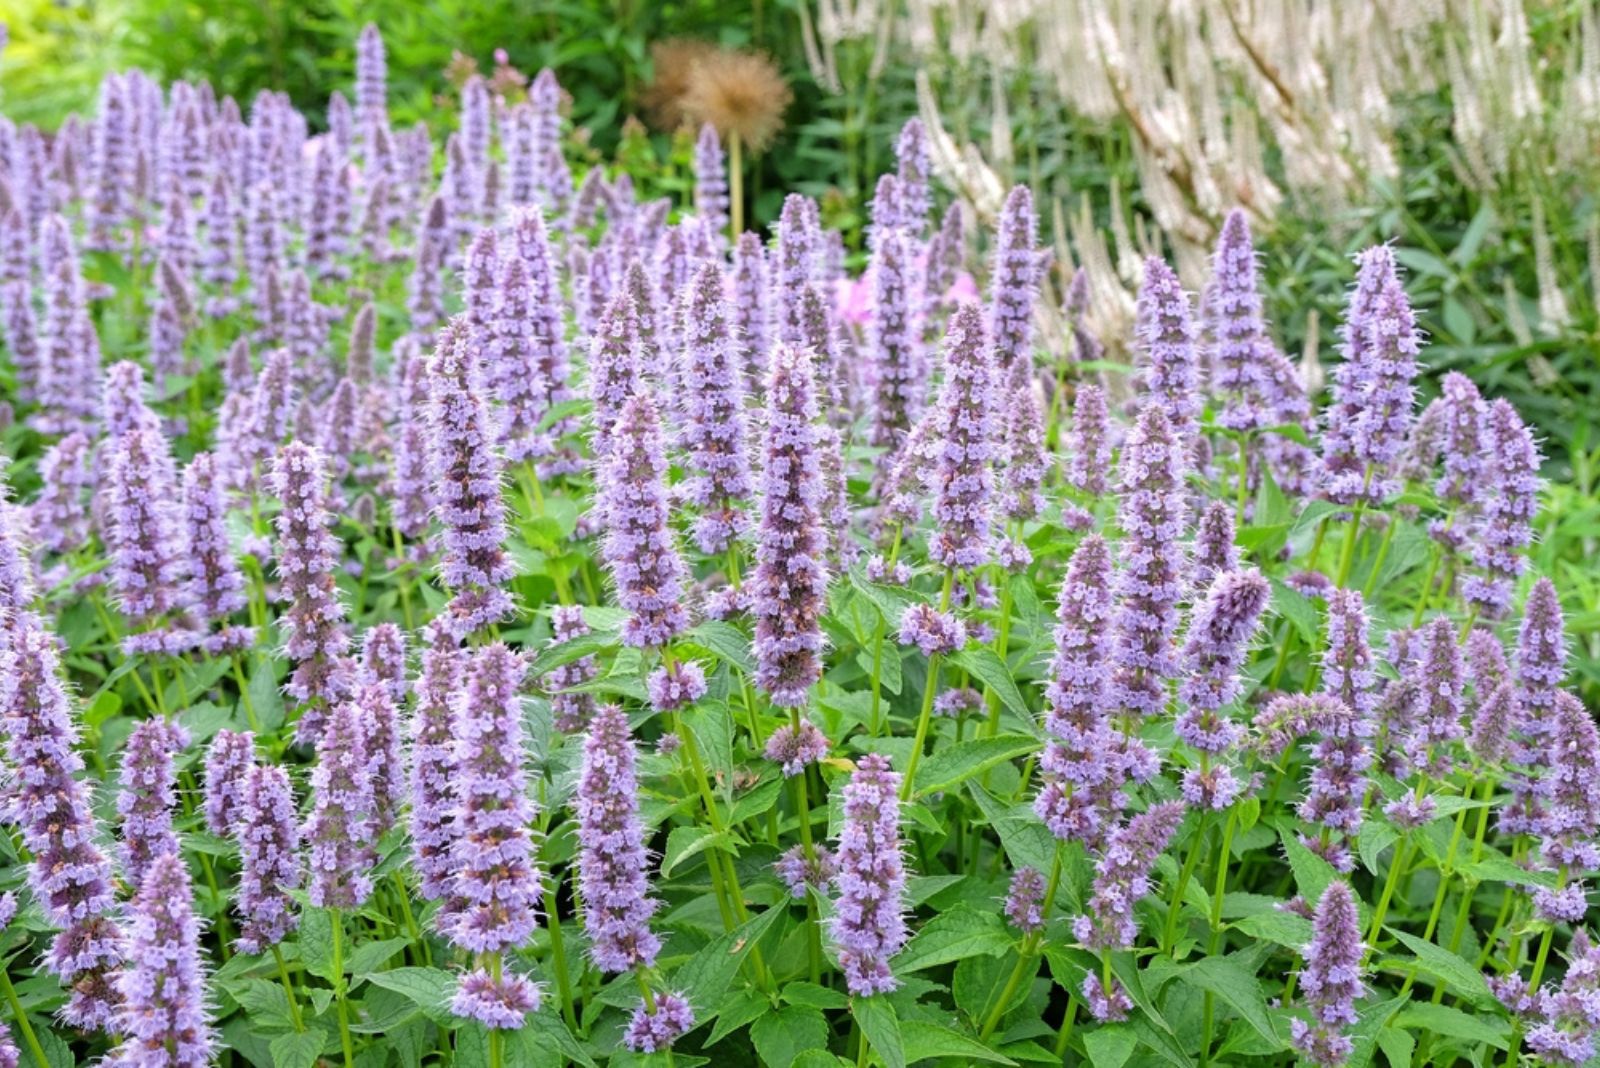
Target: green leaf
706, 976
1457, 974
1293, 606
801, 992
371, 955
1312, 873
1444, 1020
429, 988
1373, 1020
986, 666
890, 601
1109, 1046
1283, 928
1026, 840
957, 763
298, 1049
685, 842
545, 1031
961, 932
1497, 868
924, 1041
780, 1036
316, 942
554, 656
726, 641
821, 1058
1376, 835
1240, 990
881, 1027
1397, 1045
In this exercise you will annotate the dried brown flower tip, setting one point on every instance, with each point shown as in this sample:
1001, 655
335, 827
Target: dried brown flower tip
741, 93
460, 69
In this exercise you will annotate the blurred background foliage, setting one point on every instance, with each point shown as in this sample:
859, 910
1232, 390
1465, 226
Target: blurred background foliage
1467, 131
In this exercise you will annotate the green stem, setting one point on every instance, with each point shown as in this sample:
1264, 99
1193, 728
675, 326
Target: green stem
1397, 861
558, 954
923, 719
288, 989
1214, 939
29, 1039
1169, 936
339, 990
414, 931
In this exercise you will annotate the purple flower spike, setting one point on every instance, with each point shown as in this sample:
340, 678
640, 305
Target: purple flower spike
750, 326
676, 686
380, 722
383, 661
1442, 678
269, 859
612, 859
1492, 723
710, 179
229, 759
1166, 336
714, 428
1218, 642
164, 1019
467, 476
1026, 461
433, 769
572, 710
964, 481
912, 170
1331, 979
1122, 877
145, 529
869, 923
1465, 415
216, 585
639, 547
148, 792
1566, 1034
69, 876
1018, 267
1541, 667
794, 748
897, 371
411, 506
1347, 664
1083, 763
1239, 327
1025, 901
1572, 820
496, 886
1105, 1005
799, 874
654, 1032
1150, 585
528, 340
1214, 548
501, 1004
932, 631
1089, 442
614, 369
60, 515
308, 554
789, 587
340, 827
1505, 530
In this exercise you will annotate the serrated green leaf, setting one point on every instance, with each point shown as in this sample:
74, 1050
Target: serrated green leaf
959, 933
1239, 989
1375, 836
881, 1026
429, 988
369, 956
1110, 1045
725, 641
801, 992
1459, 975
986, 666
1445, 1020
316, 942
955, 764
1283, 928
1373, 1019
924, 1041
705, 977
780, 1036
1312, 873
685, 842
298, 1049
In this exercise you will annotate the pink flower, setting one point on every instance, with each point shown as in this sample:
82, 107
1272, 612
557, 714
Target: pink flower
853, 299
964, 288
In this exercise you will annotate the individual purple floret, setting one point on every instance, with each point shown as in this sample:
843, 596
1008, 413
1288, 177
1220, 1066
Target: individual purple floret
639, 548
383, 660
339, 829
571, 710
793, 748
798, 873
1083, 763
1330, 982
1122, 877
1215, 650
655, 1031
148, 791
164, 1019
964, 479
1014, 286
1025, 901
1151, 583
789, 586
896, 362
869, 924
1572, 818
497, 884
1503, 533
710, 179
714, 431
1167, 339
468, 502
677, 685
1089, 442
433, 771
932, 631
229, 758
69, 876
315, 635
269, 858
1238, 327
612, 858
